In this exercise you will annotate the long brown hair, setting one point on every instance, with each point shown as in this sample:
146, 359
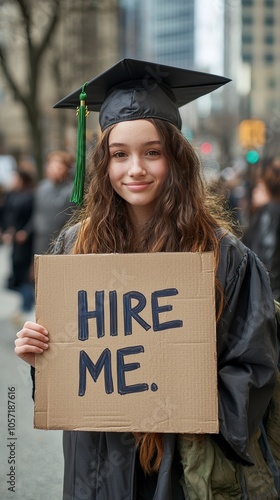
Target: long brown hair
182, 221
185, 220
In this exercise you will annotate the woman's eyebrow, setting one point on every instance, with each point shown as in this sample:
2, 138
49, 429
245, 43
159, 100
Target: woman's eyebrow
122, 144
117, 144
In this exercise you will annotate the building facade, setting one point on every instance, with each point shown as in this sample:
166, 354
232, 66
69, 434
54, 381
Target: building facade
261, 54
261, 51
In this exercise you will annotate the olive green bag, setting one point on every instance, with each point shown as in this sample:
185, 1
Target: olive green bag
208, 475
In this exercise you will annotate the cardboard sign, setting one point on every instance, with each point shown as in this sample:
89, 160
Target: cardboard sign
132, 343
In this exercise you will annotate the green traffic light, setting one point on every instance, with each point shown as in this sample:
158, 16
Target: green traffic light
252, 156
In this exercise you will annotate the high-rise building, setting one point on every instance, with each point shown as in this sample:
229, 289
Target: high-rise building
161, 30
261, 53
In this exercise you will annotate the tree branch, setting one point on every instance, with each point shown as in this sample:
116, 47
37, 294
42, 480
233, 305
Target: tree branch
12, 83
49, 31
27, 21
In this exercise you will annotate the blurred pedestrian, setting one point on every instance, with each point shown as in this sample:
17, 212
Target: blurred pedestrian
263, 233
52, 207
17, 213
2, 208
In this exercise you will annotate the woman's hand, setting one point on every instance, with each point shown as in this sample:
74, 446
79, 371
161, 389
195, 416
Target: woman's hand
32, 339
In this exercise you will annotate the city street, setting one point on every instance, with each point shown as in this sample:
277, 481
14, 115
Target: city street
31, 462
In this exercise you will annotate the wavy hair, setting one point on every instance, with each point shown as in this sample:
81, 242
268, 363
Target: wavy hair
185, 220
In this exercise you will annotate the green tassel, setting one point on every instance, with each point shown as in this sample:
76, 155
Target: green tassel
78, 187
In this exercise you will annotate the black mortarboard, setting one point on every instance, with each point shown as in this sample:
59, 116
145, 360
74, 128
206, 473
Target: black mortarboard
133, 89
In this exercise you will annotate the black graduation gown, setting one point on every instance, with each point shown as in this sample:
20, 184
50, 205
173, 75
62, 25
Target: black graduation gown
101, 465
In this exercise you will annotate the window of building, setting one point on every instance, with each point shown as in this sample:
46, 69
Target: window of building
269, 20
269, 39
269, 58
247, 20
247, 3
247, 38
269, 3
247, 57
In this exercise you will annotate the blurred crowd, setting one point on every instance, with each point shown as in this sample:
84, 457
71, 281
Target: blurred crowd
252, 194
32, 213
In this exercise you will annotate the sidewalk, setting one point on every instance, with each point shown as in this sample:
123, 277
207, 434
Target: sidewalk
37, 454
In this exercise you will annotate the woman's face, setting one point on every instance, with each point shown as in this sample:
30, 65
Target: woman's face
137, 165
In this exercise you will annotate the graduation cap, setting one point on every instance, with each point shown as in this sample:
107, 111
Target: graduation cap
133, 90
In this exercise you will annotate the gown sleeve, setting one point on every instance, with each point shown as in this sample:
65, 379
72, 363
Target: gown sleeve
246, 347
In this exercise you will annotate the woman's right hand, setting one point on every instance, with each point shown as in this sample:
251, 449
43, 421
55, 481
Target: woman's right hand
31, 339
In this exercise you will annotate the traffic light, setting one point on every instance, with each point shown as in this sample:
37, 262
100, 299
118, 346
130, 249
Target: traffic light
206, 148
252, 157
252, 133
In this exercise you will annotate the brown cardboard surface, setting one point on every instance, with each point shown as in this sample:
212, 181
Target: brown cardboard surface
161, 376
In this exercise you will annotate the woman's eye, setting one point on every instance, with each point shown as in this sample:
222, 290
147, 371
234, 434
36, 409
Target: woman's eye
118, 154
153, 152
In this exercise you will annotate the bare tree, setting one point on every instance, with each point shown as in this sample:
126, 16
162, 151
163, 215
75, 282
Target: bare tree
35, 46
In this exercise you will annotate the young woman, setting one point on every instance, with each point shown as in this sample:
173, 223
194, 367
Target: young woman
146, 194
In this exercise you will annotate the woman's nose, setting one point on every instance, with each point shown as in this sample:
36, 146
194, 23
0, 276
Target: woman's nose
137, 166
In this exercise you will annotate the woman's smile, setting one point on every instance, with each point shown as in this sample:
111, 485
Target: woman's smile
137, 186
